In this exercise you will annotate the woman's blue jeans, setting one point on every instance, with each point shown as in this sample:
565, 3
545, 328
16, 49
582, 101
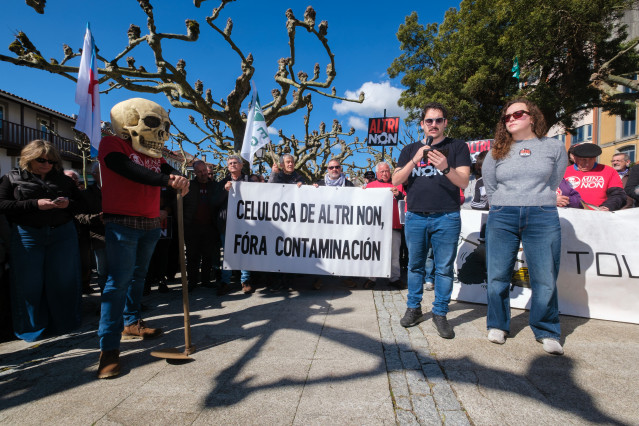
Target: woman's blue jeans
442, 231
129, 252
538, 229
45, 280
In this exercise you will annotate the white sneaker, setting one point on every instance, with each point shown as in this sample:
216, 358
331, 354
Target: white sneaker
496, 335
428, 286
552, 346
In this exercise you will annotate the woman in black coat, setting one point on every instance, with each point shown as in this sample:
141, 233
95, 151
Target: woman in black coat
40, 202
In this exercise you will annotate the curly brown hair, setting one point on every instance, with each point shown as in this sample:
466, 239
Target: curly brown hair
37, 148
503, 139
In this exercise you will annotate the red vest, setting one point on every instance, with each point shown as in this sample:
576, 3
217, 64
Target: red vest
121, 195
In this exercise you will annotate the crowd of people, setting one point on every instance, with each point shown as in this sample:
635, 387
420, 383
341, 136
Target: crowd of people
54, 231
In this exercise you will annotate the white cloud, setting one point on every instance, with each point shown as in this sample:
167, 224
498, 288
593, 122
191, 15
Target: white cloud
358, 123
378, 96
272, 130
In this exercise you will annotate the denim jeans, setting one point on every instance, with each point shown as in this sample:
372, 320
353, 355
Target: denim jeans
226, 273
430, 267
442, 231
45, 280
129, 252
538, 229
101, 266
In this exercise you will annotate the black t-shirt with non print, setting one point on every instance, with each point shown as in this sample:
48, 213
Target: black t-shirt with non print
427, 189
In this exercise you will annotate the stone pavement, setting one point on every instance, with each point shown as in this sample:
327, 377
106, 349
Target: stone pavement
333, 356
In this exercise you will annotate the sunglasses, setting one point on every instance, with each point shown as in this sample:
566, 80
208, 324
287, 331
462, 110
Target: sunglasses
44, 160
517, 115
334, 167
430, 121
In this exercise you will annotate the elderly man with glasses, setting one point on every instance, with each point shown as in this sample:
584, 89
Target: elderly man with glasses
384, 181
599, 185
235, 174
432, 171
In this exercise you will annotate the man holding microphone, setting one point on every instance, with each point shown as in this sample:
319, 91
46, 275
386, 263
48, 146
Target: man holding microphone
432, 171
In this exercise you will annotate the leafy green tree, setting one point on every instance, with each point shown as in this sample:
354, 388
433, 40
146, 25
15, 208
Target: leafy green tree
466, 63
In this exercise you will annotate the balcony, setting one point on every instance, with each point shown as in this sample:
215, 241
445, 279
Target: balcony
14, 137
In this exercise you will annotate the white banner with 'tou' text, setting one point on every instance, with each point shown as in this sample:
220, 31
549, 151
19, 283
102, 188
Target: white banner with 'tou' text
599, 272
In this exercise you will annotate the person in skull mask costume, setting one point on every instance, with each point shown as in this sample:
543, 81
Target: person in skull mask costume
133, 171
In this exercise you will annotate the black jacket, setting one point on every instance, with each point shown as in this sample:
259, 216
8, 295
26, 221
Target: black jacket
293, 178
20, 191
215, 196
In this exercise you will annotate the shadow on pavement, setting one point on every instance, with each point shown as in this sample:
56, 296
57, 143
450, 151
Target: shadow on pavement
60, 364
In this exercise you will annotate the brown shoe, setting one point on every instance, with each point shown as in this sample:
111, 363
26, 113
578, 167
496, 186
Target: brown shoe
109, 364
317, 284
397, 284
350, 283
223, 288
246, 287
139, 331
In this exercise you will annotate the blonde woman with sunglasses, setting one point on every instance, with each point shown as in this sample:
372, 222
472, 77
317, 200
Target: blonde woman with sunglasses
40, 203
521, 175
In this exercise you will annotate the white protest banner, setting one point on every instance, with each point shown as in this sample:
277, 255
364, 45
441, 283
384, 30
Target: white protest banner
599, 272
308, 230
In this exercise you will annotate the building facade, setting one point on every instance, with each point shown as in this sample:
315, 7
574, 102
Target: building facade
22, 121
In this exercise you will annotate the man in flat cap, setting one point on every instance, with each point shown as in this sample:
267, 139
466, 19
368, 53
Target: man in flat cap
599, 185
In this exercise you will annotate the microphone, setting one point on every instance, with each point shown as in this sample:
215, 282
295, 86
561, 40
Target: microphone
429, 141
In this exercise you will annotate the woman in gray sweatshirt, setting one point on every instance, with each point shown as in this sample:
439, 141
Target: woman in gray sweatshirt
521, 175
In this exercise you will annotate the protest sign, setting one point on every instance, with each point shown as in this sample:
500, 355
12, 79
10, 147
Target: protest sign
383, 131
598, 275
324, 230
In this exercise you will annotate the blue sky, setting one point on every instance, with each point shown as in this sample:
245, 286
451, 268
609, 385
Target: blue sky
361, 35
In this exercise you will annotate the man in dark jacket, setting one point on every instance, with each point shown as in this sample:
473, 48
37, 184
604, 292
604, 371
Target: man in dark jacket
201, 206
287, 173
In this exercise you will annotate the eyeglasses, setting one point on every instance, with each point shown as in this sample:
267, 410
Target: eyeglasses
517, 115
44, 160
334, 167
430, 121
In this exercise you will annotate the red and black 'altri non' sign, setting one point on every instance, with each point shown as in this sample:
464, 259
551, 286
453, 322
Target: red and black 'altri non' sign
383, 131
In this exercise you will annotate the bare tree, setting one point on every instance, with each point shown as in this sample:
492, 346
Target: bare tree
221, 122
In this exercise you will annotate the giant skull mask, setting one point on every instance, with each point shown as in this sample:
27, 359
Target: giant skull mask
143, 122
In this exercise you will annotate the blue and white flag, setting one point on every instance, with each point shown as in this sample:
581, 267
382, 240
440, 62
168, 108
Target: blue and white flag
87, 94
256, 133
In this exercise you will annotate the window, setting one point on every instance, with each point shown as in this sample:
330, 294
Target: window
1, 121
629, 119
44, 124
561, 137
583, 133
628, 127
630, 150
